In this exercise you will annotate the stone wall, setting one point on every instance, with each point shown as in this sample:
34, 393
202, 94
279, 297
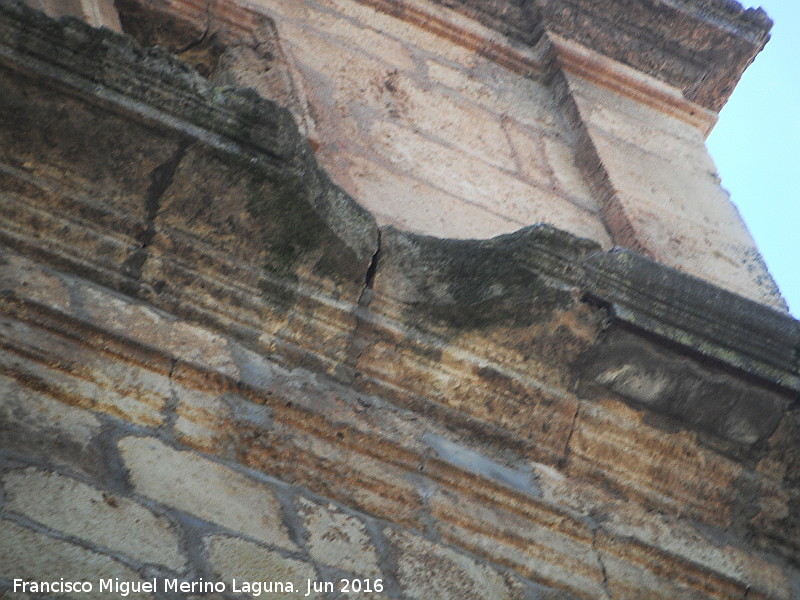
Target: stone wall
472, 121
216, 365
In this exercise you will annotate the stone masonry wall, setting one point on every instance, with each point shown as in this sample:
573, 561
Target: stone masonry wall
443, 123
216, 365
427, 134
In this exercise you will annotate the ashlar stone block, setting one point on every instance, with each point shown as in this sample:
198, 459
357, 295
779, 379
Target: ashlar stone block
101, 518
338, 539
193, 484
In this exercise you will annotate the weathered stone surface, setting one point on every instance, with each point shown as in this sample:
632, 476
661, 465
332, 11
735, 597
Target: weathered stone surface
340, 471
665, 470
232, 558
235, 302
542, 544
82, 378
274, 215
682, 542
714, 44
492, 282
724, 36
360, 85
338, 540
33, 556
634, 571
524, 101
479, 183
204, 489
101, 518
675, 541
438, 209
99, 13
711, 321
776, 520
293, 179
446, 127
515, 476
661, 196
35, 424
428, 570
79, 147
670, 383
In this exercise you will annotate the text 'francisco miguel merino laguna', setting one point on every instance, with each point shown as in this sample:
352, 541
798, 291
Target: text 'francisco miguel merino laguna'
123, 588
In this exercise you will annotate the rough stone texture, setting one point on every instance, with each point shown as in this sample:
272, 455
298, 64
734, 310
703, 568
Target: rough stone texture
713, 321
34, 424
212, 330
427, 570
698, 46
675, 386
112, 392
204, 489
98, 13
454, 120
365, 91
546, 546
33, 556
107, 520
234, 558
661, 192
338, 540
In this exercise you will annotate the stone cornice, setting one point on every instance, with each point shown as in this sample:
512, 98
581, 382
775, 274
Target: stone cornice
728, 14
700, 47
687, 70
152, 78
689, 312
702, 317
175, 263
576, 59
537, 267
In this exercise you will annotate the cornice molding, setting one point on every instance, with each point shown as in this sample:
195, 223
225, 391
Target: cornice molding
697, 315
535, 265
573, 58
517, 38
699, 47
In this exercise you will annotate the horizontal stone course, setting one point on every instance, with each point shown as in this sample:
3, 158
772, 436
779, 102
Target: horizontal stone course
428, 570
59, 384
42, 427
545, 546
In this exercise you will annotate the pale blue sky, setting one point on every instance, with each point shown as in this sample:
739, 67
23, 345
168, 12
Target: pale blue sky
756, 146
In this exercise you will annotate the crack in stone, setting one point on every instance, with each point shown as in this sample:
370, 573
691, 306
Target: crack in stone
354, 348
600, 563
202, 38
369, 278
573, 426
160, 179
170, 410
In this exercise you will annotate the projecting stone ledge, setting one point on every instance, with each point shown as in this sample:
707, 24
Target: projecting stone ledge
144, 119
241, 230
701, 47
658, 321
